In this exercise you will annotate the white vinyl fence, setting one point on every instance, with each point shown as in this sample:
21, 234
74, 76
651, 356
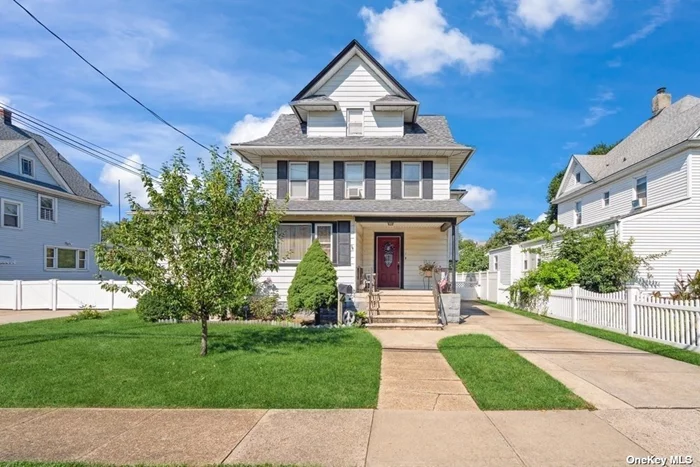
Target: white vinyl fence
54, 294
629, 311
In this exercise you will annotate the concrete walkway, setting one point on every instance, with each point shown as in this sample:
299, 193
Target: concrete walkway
346, 437
608, 375
9, 316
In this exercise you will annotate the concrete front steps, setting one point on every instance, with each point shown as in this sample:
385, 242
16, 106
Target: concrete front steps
406, 310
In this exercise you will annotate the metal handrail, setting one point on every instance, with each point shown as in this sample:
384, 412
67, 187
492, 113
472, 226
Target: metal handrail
437, 296
372, 298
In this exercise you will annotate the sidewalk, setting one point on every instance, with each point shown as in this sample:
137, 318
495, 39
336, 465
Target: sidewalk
346, 437
9, 316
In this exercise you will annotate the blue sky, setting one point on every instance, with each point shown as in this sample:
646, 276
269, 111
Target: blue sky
527, 82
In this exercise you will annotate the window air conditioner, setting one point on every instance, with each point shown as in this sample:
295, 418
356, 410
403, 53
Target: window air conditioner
355, 193
639, 203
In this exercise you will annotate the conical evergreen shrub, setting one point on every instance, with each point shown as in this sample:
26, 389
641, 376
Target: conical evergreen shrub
315, 283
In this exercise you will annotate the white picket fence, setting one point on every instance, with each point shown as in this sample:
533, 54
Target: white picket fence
54, 294
628, 311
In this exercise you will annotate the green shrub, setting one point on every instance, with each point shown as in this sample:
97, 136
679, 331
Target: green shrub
315, 282
263, 307
531, 292
86, 312
152, 307
361, 319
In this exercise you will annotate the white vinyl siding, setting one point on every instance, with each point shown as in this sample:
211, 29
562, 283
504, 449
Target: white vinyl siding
570, 182
667, 181
441, 177
420, 244
282, 278
355, 86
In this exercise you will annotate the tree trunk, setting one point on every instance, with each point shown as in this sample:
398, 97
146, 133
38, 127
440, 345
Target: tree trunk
205, 334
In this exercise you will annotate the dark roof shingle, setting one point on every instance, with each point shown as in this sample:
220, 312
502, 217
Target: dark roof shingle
77, 183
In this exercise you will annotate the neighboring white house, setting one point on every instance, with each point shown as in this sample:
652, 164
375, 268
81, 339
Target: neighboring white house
50, 215
647, 188
366, 175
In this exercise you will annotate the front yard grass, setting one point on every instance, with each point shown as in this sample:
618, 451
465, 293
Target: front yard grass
657, 348
121, 361
500, 379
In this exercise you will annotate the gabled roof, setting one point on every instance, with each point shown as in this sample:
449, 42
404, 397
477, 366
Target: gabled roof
348, 48
10, 146
675, 124
75, 181
428, 131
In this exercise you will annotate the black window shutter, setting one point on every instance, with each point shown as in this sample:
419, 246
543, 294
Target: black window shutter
396, 180
427, 179
334, 259
282, 179
370, 182
313, 179
344, 243
338, 180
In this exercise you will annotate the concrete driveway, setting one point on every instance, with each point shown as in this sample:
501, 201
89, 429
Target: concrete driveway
606, 374
9, 316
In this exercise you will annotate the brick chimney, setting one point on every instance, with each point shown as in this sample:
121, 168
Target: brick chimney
6, 116
661, 100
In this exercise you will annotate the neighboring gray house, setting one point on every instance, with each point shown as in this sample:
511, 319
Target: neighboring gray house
50, 215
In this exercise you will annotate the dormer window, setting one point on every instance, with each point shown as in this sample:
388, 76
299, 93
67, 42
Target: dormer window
26, 166
298, 177
355, 120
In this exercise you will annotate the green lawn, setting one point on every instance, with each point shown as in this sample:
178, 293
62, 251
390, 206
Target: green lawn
500, 379
121, 361
637, 343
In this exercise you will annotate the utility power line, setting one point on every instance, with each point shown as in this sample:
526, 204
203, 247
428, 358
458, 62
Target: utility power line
152, 112
52, 131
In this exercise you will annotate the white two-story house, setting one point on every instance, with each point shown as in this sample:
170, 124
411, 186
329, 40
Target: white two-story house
50, 215
365, 173
647, 188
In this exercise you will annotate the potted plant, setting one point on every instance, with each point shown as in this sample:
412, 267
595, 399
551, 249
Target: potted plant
426, 269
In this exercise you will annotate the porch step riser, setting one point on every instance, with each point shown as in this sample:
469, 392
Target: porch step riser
421, 300
405, 293
405, 327
427, 311
404, 319
406, 306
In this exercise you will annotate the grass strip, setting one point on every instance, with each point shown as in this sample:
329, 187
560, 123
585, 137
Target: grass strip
657, 348
500, 379
121, 361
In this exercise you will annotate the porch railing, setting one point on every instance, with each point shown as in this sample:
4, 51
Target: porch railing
437, 296
372, 297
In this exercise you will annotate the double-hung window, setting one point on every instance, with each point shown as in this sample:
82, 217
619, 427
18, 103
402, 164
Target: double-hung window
47, 208
324, 235
294, 240
606, 199
411, 179
11, 212
26, 166
577, 213
354, 177
65, 258
495, 263
641, 188
298, 177
355, 121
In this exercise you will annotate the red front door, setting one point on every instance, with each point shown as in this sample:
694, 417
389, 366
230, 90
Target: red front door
388, 257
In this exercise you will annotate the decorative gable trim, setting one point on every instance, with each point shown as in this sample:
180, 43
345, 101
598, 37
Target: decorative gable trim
36, 149
353, 48
573, 164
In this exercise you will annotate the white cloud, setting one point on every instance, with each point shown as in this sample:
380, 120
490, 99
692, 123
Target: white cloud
541, 15
599, 109
113, 176
541, 217
614, 63
5, 100
415, 36
659, 15
251, 127
478, 198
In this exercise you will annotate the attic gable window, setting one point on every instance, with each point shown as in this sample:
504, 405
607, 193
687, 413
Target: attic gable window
578, 177
26, 166
355, 120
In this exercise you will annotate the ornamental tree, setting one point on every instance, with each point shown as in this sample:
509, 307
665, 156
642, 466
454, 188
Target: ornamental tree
204, 239
315, 283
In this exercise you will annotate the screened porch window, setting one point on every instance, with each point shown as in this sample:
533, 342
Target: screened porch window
294, 240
